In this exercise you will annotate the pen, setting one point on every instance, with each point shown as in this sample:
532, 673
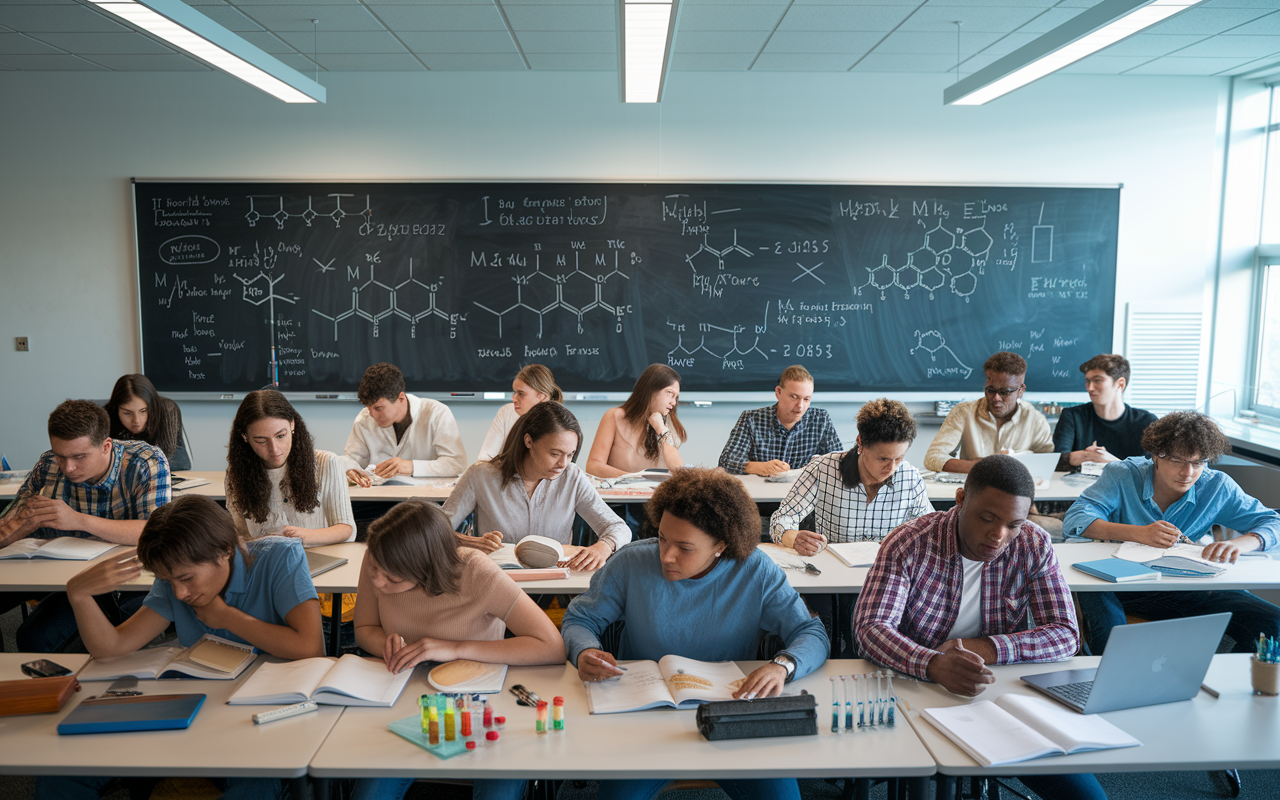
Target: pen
604, 663
1209, 691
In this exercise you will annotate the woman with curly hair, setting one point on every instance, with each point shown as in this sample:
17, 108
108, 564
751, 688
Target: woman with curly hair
703, 565
277, 482
139, 412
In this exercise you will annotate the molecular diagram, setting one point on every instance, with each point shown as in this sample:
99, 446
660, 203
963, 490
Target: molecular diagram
929, 267
374, 301
337, 214
932, 342
543, 292
712, 284
681, 355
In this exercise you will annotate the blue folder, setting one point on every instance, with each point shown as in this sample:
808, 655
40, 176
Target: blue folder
160, 712
1118, 570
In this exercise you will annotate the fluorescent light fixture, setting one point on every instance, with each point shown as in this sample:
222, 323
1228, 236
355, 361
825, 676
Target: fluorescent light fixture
646, 47
187, 29
1086, 33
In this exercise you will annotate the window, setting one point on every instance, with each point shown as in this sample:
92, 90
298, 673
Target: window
1271, 182
1267, 399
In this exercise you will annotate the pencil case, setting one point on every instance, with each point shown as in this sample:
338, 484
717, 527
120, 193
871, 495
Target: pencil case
36, 695
757, 719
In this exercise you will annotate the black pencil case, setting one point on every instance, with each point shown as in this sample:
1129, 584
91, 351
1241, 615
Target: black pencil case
757, 719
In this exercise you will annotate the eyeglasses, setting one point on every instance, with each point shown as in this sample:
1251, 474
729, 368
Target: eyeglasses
1199, 463
991, 391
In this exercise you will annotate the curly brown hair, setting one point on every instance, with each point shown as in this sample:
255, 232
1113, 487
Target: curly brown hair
713, 501
381, 381
1185, 434
246, 481
75, 418
1006, 363
879, 421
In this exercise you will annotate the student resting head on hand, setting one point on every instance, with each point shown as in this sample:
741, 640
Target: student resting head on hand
643, 432
532, 385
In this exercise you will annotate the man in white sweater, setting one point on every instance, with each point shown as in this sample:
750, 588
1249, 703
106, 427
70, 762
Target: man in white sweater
400, 434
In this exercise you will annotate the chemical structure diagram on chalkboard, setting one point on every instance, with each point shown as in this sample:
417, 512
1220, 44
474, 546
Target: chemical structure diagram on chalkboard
708, 265
375, 301
933, 343
337, 214
935, 265
576, 291
682, 356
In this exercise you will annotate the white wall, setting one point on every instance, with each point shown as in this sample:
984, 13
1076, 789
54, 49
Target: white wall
71, 141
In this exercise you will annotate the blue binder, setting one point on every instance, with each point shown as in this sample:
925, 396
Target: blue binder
1118, 570
160, 712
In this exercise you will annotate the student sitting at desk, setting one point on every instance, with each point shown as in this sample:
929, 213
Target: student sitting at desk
399, 433
532, 385
1104, 429
950, 593
703, 566
86, 485
784, 436
534, 488
1165, 499
644, 432
137, 411
207, 580
423, 598
998, 422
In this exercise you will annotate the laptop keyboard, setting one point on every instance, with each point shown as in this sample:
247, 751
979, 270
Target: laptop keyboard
1073, 693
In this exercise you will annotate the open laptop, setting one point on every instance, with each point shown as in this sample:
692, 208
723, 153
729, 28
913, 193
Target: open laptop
319, 563
1040, 465
1145, 664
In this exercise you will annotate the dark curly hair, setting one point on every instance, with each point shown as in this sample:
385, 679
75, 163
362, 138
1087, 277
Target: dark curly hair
164, 418
246, 482
1184, 434
635, 410
187, 531
879, 422
382, 381
545, 418
713, 501
1006, 363
75, 418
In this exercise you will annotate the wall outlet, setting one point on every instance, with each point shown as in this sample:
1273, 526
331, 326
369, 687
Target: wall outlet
21, 344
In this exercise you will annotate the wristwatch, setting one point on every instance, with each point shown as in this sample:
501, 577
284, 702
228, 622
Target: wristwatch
786, 662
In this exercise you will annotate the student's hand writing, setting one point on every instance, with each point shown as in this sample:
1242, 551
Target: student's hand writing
765, 681
590, 558
808, 543
107, 575
393, 467
1231, 549
359, 477
597, 665
766, 468
391, 646
216, 613
46, 512
959, 671
424, 649
1159, 534
658, 423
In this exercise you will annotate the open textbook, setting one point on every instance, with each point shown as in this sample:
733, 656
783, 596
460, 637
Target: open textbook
855, 554
346, 681
1017, 728
672, 681
63, 548
211, 657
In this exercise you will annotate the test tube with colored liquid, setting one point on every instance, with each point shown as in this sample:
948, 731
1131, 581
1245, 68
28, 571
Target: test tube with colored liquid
424, 702
449, 719
467, 734
848, 704
557, 714
433, 725
540, 723
835, 707
893, 700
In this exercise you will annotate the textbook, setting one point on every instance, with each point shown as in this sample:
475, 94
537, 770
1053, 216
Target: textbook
156, 712
1118, 570
855, 554
212, 657
1182, 560
672, 681
63, 548
1019, 727
346, 681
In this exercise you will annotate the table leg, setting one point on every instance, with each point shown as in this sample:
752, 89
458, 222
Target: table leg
335, 625
300, 788
945, 788
917, 788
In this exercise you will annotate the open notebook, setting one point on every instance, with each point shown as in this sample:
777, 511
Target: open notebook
672, 681
347, 681
63, 548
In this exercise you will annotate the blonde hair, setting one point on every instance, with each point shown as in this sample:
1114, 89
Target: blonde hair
540, 379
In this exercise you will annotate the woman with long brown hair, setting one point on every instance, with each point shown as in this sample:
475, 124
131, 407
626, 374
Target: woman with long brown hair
532, 385
644, 432
139, 412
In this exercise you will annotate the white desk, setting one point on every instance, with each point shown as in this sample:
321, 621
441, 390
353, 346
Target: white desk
1246, 573
1235, 731
1060, 487
641, 744
221, 742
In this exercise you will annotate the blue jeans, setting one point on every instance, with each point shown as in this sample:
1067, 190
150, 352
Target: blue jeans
759, 789
395, 788
89, 787
1064, 787
51, 627
1250, 615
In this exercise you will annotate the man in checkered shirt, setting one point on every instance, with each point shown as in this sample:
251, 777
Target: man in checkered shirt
783, 436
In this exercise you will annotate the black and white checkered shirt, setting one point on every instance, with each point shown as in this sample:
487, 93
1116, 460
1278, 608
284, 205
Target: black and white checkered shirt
843, 514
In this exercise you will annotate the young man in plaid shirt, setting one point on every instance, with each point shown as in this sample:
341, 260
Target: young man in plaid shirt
783, 436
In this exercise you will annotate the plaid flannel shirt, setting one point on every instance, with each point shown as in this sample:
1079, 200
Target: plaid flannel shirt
758, 436
843, 514
136, 483
911, 598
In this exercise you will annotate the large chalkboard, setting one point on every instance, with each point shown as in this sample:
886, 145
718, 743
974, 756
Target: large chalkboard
873, 288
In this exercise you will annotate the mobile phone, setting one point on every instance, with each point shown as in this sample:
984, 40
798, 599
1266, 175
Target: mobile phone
44, 668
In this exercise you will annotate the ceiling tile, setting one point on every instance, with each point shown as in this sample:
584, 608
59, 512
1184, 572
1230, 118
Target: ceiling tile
229, 18
822, 42
368, 62
49, 63
1007, 3
1206, 21
1266, 26
304, 64
356, 42
1101, 64
475, 61
813, 62
923, 42
302, 2
98, 43
169, 62
268, 42
1267, 4
710, 62
1173, 65
1230, 46
719, 41
62, 19
298, 18
568, 42
1048, 19
910, 3
594, 62
1150, 45
843, 18
998, 19
975, 62
1006, 44
905, 62
440, 17
459, 42
18, 44
561, 18
730, 18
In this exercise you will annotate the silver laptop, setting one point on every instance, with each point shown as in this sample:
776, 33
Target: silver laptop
1040, 465
318, 563
1145, 664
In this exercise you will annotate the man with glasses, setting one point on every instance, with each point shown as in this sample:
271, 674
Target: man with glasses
1165, 499
1000, 422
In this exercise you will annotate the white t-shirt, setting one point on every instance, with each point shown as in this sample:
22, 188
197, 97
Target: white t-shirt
969, 620
503, 422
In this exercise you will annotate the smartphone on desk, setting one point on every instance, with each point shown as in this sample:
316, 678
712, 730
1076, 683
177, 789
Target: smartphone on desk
44, 668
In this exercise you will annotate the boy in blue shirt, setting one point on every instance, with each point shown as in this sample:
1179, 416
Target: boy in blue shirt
1161, 500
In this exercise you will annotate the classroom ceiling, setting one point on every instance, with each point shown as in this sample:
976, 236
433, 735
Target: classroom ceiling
1217, 37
